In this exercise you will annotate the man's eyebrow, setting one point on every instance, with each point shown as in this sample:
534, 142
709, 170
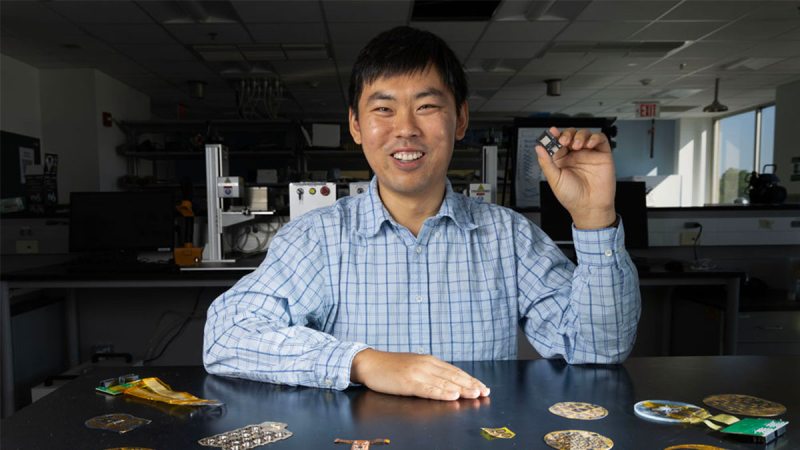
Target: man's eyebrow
381, 95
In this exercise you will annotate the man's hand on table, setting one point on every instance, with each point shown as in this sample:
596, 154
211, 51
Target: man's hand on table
414, 375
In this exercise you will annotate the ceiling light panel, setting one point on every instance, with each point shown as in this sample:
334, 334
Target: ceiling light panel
626, 10
278, 11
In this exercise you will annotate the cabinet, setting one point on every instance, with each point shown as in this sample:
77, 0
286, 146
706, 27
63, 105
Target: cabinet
769, 333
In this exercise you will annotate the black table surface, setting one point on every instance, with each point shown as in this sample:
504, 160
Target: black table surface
522, 391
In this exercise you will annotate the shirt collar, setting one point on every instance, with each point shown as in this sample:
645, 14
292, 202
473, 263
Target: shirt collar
373, 213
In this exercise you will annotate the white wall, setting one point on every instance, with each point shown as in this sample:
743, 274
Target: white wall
67, 102
124, 103
69, 107
694, 144
632, 155
19, 98
787, 119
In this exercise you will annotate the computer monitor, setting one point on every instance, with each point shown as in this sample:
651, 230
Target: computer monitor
630, 203
121, 222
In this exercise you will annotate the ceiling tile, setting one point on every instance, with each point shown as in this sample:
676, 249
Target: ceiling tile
156, 52
225, 33
711, 10
487, 80
130, 33
278, 11
27, 12
677, 31
506, 49
626, 10
522, 31
753, 30
600, 31
101, 12
302, 71
367, 11
360, 33
504, 105
453, 31
289, 33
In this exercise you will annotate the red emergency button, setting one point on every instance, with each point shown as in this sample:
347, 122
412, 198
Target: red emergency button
324, 190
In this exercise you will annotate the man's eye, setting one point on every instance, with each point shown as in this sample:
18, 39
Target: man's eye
428, 106
382, 109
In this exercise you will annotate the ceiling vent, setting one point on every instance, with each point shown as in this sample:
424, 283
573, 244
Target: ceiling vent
751, 63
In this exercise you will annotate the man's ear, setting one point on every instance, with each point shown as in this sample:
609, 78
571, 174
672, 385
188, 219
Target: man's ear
355, 127
462, 121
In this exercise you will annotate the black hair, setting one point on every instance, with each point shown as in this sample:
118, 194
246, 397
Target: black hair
405, 50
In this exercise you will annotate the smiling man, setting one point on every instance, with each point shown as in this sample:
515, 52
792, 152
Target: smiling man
387, 288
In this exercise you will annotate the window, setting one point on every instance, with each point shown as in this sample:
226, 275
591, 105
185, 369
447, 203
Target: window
744, 144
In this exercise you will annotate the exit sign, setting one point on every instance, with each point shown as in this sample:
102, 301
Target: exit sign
646, 110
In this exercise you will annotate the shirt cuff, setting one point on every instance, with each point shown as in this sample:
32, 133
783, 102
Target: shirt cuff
333, 372
601, 247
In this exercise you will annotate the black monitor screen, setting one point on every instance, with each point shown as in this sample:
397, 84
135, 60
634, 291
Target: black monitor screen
121, 221
630, 203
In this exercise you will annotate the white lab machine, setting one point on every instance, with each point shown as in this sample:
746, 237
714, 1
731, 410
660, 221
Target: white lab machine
310, 195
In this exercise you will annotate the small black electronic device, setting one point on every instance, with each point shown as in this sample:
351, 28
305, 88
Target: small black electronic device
549, 142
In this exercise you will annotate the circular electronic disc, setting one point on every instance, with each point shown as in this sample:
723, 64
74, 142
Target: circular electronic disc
745, 405
577, 440
578, 410
668, 411
693, 447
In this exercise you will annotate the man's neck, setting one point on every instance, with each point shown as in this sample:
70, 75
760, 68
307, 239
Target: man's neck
411, 211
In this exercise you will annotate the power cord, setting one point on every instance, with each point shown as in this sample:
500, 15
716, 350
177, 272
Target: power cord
178, 331
691, 225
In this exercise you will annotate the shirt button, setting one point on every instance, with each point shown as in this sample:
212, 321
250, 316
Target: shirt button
418, 298
609, 252
328, 382
421, 351
419, 250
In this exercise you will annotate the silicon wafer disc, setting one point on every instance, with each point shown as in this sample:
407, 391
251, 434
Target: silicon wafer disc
693, 447
668, 411
745, 405
577, 440
578, 410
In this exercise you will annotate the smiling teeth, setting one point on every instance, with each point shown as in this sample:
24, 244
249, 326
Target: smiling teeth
407, 156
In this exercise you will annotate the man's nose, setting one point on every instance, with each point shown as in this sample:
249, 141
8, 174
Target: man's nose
405, 124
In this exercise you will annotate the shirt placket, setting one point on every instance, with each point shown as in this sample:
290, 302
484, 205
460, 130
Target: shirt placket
420, 324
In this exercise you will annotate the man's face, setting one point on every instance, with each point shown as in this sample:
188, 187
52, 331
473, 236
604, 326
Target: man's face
407, 125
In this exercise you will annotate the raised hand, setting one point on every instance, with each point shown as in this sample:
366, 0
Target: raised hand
581, 175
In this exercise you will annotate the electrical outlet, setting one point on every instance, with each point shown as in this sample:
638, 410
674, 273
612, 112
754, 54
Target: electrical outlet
688, 237
27, 246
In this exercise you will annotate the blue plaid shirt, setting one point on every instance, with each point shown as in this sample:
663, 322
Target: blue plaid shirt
347, 277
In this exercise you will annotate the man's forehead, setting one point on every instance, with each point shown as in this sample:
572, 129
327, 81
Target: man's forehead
429, 81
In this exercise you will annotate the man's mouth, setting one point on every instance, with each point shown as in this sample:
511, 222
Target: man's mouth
407, 156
